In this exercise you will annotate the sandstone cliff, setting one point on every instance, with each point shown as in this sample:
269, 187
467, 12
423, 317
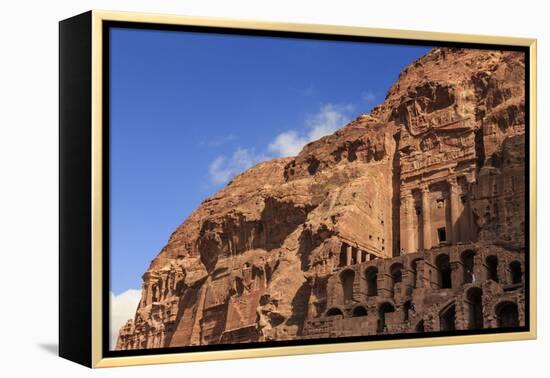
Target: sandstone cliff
439, 162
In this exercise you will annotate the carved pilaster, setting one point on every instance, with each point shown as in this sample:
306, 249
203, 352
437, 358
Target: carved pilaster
358, 256
426, 219
406, 223
454, 207
348, 255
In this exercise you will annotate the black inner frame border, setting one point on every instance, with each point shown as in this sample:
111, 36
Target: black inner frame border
107, 25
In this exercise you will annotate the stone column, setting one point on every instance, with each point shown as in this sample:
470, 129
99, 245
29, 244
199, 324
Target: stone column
454, 199
406, 222
383, 284
420, 274
457, 273
479, 267
407, 279
426, 219
348, 255
358, 259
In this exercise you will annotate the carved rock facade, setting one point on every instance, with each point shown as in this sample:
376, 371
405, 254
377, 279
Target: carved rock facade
408, 219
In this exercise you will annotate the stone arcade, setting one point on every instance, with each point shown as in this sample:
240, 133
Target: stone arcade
469, 286
409, 219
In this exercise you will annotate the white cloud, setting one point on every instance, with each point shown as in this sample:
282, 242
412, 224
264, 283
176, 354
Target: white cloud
122, 307
288, 143
218, 170
329, 119
222, 169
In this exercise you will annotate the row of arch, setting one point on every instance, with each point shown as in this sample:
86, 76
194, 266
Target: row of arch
347, 279
444, 270
444, 273
506, 312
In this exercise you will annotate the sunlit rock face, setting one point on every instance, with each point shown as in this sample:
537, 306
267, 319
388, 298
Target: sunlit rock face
408, 219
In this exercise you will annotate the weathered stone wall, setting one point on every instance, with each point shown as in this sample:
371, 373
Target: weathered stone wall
408, 219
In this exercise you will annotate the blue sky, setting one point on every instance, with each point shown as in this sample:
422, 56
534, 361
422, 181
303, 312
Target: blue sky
190, 110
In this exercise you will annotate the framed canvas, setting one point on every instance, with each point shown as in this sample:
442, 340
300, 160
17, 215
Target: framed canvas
235, 189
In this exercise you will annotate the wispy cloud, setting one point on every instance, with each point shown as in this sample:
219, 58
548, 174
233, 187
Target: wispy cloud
222, 169
122, 307
288, 143
327, 120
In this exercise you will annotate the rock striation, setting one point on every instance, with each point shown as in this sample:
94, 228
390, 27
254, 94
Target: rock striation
408, 219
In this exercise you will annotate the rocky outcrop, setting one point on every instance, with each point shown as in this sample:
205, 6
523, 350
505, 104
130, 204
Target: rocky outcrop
439, 164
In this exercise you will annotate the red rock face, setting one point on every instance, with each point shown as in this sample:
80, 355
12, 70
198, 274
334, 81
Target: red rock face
408, 219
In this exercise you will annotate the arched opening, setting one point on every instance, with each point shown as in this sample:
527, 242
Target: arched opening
468, 265
406, 309
382, 311
444, 271
414, 268
515, 271
420, 326
396, 271
507, 315
335, 312
347, 277
475, 308
359, 311
447, 318
371, 275
491, 262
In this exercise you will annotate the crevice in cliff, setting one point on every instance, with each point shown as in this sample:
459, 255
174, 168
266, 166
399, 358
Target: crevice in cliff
479, 148
396, 200
305, 247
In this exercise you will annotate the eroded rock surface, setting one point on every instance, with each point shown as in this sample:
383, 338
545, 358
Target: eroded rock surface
408, 219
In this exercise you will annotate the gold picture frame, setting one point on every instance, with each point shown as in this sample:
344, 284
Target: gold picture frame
82, 254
